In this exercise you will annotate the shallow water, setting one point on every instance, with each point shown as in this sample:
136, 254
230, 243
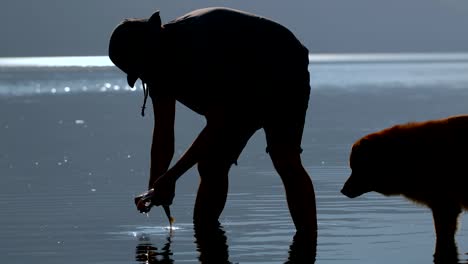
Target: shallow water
71, 163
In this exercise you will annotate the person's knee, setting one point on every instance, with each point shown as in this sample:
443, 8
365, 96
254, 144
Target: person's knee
286, 162
213, 171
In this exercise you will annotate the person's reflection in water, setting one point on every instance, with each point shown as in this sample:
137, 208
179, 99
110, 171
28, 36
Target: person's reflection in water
211, 244
146, 252
302, 250
213, 248
448, 255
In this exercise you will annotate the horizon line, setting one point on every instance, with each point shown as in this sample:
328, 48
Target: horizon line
104, 61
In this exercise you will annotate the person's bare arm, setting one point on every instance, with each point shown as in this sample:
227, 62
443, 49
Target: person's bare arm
189, 158
164, 187
162, 148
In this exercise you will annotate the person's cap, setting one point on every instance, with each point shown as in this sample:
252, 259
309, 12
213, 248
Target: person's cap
124, 49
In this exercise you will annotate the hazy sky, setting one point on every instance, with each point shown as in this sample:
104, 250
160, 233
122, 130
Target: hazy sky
71, 27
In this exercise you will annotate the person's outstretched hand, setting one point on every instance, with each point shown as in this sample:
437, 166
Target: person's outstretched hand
162, 193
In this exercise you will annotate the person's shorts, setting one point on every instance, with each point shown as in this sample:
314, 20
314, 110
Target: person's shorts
279, 107
282, 120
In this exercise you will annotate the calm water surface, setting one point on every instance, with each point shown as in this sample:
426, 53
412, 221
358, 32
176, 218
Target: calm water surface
74, 152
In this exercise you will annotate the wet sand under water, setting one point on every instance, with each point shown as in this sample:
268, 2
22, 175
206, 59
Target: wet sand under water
71, 164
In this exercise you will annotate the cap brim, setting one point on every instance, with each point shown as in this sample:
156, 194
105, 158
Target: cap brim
131, 80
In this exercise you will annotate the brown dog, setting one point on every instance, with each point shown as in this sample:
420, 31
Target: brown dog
426, 162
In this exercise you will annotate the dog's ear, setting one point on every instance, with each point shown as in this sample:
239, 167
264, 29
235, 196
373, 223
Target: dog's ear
155, 20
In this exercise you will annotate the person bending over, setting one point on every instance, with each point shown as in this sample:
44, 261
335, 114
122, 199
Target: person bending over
243, 73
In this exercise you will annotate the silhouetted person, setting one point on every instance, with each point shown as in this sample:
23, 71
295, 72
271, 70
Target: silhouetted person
241, 72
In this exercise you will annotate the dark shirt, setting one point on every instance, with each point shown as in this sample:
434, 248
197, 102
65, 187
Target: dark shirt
219, 57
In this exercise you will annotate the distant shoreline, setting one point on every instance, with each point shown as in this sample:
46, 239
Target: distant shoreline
314, 58
340, 72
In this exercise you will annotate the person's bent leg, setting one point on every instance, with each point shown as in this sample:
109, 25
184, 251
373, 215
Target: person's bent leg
299, 189
212, 192
224, 148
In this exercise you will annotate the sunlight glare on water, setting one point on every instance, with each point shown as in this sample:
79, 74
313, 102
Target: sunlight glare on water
355, 71
138, 231
69, 61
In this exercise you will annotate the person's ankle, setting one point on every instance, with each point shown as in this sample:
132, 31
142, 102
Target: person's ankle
206, 224
306, 235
